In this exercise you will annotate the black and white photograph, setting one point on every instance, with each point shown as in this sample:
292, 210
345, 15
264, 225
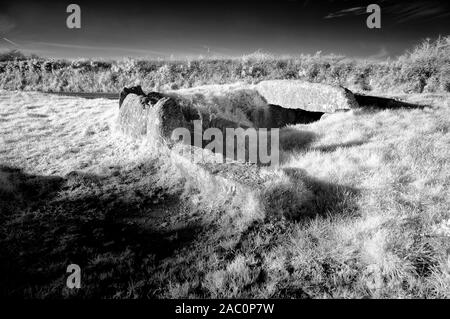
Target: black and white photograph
247, 151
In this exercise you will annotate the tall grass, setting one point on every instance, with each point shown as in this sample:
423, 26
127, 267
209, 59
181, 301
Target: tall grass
426, 68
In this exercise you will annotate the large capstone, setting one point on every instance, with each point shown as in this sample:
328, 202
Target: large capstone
316, 97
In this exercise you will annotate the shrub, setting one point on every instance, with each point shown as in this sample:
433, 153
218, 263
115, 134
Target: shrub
425, 68
12, 55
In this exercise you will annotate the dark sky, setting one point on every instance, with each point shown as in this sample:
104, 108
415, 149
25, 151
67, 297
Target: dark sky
225, 28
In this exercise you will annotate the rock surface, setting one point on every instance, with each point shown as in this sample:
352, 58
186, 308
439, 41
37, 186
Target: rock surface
135, 90
153, 115
256, 190
141, 113
316, 97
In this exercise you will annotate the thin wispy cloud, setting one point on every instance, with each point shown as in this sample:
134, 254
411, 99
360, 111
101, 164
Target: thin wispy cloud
401, 11
429, 10
97, 48
346, 12
10, 42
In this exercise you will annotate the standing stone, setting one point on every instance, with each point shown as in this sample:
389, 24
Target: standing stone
150, 115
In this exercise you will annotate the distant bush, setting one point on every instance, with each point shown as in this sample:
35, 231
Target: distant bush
427, 65
12, 55
424, 69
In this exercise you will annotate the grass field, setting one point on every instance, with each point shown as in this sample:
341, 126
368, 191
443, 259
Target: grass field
74, 190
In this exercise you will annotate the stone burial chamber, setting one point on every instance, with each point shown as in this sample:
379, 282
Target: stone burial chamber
239, 182
260, 192
230, 109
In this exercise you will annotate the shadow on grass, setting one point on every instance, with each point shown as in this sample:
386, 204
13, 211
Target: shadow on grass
111, 226
333, 147
328, 198
303, 197
384, 103
18, 189
294, 139
88, 95
113, 234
